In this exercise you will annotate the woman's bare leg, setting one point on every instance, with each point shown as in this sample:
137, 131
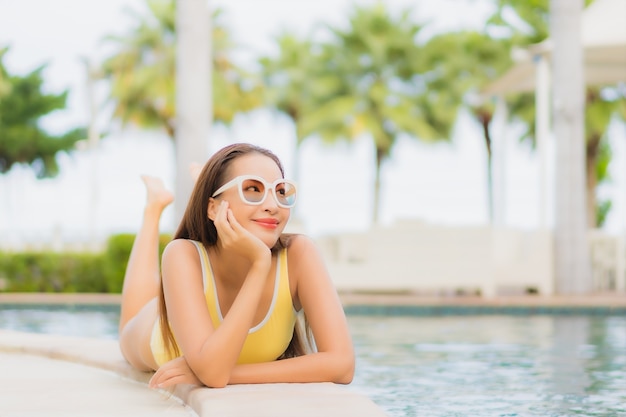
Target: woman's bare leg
142, 282
142, 278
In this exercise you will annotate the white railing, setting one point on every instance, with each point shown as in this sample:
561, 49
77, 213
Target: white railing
607, 261
423, 258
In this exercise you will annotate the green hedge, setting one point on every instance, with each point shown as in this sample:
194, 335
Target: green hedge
69, 272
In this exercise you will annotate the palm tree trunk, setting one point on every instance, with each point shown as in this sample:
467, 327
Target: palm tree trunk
193, 93
572, 267
485, 117
380, 155
593, 147
295, 118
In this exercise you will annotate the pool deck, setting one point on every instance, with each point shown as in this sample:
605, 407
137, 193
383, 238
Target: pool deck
51, 375
42, 374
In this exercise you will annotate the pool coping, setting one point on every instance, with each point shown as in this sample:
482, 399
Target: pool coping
260, 400
396, 303
271, 400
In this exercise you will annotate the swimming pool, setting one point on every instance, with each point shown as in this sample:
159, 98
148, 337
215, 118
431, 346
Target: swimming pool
446, 365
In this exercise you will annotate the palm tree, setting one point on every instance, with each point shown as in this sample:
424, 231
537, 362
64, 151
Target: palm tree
465, 62
22, 139
289, 79
142, 75
375, 83
4, 75
142, 72
600, 110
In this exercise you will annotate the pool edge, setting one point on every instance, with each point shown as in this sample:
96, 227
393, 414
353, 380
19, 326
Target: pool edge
276, 400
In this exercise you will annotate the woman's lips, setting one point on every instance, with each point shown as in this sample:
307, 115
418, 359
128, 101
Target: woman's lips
268, 223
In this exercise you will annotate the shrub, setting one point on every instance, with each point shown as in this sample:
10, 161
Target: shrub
51, 272
70, 272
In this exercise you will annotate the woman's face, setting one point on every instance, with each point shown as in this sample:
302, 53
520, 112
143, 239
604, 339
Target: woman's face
266, 220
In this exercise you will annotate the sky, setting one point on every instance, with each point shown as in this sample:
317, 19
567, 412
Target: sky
99, 191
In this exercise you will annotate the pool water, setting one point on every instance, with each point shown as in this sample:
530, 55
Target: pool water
447, 365
68, 320
493, 365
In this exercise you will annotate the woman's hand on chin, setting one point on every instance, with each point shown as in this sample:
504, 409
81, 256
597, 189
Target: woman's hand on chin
234, 237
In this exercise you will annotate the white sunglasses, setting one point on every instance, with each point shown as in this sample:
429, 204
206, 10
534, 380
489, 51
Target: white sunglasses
253, 190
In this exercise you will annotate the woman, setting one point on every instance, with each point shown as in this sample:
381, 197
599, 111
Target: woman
223, 311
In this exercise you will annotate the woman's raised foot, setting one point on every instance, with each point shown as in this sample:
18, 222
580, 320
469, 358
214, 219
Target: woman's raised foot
157, 195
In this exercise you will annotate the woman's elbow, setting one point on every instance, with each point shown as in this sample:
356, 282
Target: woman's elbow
344, 379
217, 384
344, 371
214, 379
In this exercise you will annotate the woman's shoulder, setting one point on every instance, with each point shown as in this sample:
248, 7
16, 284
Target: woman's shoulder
301, 246
297, 242
179, 247
306, 265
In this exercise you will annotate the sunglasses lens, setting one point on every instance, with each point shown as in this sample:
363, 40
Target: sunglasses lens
253, 191
286, 194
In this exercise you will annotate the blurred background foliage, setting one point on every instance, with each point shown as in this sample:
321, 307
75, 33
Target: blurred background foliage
377, 76
49, 271
22, 140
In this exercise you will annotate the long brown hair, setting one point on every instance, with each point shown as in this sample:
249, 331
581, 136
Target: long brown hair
196, 225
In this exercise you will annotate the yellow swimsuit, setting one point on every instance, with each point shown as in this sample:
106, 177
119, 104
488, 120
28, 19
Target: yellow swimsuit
267, 340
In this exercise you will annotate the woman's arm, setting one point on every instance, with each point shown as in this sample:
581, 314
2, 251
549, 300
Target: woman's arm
334, 360
314, 367
212, 353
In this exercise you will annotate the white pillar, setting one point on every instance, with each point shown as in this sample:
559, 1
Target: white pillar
193, 93
542, 132
572, 264
93, 139
499, 162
